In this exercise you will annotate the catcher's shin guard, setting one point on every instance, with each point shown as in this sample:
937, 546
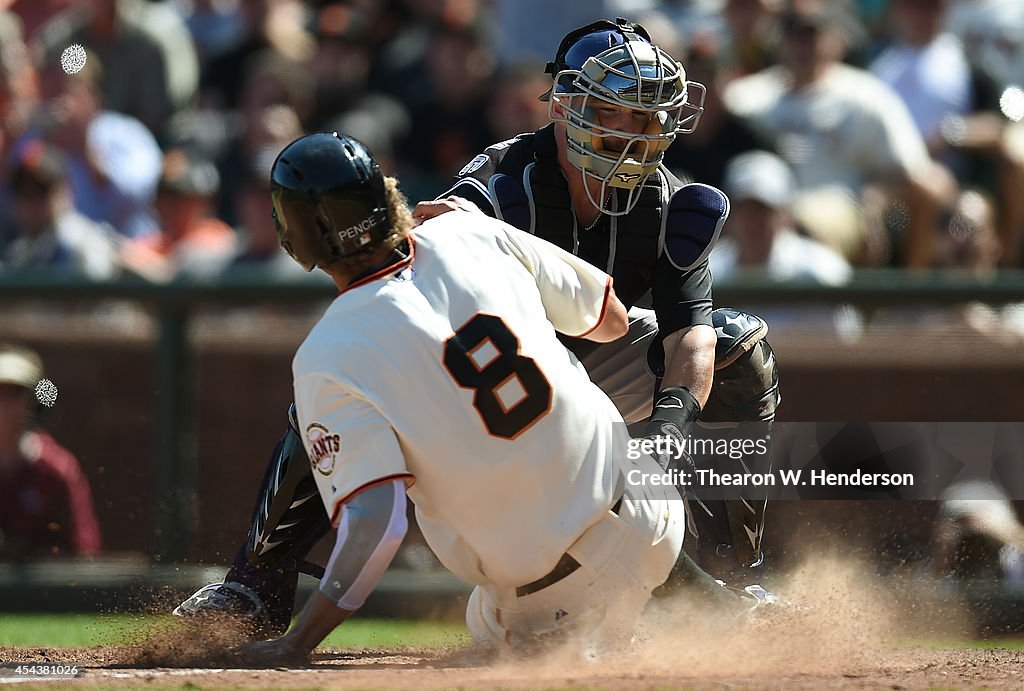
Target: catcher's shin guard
288, 520
741, 407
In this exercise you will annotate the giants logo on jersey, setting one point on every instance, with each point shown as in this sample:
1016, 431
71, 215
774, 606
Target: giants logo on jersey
323, 447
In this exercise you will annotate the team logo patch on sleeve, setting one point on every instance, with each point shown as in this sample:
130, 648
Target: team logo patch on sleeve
323, 447
473, 165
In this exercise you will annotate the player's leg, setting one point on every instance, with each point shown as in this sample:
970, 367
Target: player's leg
287, 521
741, 407
596, 594
742, 404
616, 566
628, 370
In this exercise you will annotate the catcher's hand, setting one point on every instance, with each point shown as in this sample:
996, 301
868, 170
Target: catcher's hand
427, 210
280, 652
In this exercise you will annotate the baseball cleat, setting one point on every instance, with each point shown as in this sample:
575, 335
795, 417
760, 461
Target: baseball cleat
231, 602
765, 607
760, 596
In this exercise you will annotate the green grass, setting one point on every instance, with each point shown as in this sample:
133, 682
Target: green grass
376, 633
77, 630
67, 630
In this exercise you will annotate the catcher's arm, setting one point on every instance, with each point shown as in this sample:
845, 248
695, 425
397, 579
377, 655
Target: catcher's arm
373, 524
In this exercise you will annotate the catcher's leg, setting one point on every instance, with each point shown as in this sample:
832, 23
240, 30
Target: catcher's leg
741, 406
288, 520
629, 371
623, 368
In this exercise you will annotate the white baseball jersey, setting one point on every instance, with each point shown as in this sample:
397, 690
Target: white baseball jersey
445, 369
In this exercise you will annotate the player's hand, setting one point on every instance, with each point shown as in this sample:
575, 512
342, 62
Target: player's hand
425, 211
668, 451
675, 411
280, 652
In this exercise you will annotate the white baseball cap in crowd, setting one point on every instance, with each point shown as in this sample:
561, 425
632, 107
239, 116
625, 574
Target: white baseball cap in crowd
19, 366
762, 176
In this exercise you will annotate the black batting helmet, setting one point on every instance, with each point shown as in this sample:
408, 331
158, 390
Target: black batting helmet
329, 199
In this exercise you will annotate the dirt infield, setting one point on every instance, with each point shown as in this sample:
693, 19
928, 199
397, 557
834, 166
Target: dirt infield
849, 630
896, 668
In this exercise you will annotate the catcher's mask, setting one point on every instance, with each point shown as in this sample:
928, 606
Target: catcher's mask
616, 63
329, 199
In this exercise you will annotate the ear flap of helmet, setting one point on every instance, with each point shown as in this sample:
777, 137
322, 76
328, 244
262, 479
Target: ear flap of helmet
285, 235
301, 232
329, 198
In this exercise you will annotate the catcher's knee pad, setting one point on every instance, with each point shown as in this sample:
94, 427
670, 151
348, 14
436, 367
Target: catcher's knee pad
289, 517
746, 385
741, 406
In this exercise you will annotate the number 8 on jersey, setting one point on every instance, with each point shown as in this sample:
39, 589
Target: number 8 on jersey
511, 393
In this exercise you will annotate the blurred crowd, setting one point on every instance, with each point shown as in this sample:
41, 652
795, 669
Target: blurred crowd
46, 506
136, 136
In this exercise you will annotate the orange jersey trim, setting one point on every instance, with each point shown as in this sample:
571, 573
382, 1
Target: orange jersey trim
408, 477
604, 310
387, 270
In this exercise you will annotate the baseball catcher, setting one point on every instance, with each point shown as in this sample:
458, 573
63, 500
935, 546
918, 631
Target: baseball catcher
551, 534
591, 183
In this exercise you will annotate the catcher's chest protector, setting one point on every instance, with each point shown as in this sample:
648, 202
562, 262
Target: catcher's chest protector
627, 247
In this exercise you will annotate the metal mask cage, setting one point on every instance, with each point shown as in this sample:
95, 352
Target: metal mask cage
635, 75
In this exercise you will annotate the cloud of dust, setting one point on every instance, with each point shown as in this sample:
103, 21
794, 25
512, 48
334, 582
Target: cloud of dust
838, 619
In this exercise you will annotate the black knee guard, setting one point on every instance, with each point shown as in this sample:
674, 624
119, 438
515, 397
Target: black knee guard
741, 406
289, 517
746, 387
288, 520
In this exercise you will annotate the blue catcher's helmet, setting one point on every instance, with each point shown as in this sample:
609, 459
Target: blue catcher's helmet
329, 199
616, 63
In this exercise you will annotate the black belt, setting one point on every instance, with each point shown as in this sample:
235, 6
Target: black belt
565, 566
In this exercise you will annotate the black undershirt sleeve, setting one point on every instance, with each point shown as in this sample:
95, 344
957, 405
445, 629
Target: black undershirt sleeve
681, 300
